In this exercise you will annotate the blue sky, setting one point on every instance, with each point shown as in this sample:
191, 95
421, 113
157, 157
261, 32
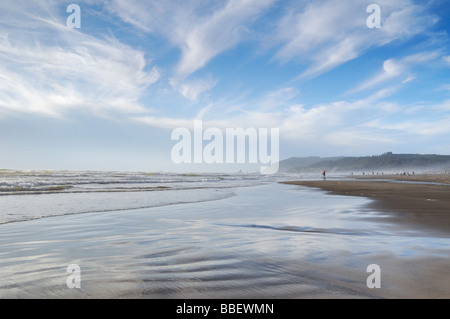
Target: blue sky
108, 95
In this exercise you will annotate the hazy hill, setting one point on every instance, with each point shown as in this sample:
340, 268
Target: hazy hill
296, 163
388, 162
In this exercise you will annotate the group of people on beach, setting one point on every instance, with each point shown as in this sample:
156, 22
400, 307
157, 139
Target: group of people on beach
373, 173
378, 173
406, 173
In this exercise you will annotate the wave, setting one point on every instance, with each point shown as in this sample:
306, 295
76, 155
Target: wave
84, 203
12, 188
26, 195
37, 182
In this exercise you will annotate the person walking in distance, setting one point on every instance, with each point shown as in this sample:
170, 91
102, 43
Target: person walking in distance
324, 175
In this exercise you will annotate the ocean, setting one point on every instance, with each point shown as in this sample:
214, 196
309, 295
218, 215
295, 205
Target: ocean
27, 195
159, 235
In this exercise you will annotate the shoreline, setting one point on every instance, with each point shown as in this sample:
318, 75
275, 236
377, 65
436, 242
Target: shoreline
269, 241
425, 178
413, 205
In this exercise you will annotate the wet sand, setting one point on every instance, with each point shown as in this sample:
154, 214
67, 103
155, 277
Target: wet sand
420, 209
272, 241
430, 178
415, 205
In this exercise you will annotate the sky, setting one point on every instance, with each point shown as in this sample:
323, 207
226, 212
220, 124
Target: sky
109, 94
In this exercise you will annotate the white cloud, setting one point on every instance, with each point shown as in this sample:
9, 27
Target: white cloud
49, 69
321, 34
369, 125
408, 79
163, 122
200, 29
193, 88
444, 106
220, 31
297, 122
391, 69
327, 34
354, 138
394, 68
416, 127
422, 120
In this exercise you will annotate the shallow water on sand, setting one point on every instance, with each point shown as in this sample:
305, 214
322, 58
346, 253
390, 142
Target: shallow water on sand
271, 241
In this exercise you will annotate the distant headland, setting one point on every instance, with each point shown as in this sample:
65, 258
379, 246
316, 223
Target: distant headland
387, 162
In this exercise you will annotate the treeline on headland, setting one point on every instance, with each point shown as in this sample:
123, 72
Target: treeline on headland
387, 162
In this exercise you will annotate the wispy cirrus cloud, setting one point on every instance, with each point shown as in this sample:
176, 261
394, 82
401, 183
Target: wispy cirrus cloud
233, 63
446, 59
193, 88
429, 128
395, 68
200, 29
326, 34
320, 34
48, 68
220, 31
296, 121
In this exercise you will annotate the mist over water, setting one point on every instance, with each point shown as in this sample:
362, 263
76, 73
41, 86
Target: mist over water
38, 194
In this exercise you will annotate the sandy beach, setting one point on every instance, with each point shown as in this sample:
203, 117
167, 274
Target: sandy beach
269, 241
418, 205
428, 178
